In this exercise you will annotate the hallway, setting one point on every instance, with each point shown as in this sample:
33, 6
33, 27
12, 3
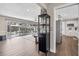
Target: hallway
69, 47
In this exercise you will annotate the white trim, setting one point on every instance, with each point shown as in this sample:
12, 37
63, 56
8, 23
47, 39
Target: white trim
51, 50
65, 5
54, 29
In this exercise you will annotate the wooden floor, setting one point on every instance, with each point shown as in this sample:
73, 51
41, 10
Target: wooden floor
68, 47
19, 46
25, 46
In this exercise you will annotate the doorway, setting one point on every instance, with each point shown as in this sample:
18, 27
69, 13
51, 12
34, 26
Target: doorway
67, 30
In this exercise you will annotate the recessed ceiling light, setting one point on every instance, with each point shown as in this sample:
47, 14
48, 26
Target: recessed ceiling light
27, 10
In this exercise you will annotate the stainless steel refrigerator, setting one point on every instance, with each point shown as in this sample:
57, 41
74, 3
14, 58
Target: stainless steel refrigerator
58, 31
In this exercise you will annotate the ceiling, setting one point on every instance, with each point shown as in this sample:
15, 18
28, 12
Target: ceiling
54, 4
28, 11
69, 12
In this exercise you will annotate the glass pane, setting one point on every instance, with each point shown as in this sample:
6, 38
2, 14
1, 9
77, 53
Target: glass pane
42, 20
42, 29
47, 20
47, 29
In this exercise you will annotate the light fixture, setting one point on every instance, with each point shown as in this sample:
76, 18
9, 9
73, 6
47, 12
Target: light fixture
27, 10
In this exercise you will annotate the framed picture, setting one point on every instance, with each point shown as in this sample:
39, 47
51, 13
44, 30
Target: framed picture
75, 28
70, 28
70, 25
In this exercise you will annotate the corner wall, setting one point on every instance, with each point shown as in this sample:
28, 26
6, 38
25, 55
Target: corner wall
50, 11
3, 27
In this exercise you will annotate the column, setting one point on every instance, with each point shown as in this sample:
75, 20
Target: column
3, 28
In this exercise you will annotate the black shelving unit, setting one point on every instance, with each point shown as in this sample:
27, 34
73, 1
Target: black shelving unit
44, 31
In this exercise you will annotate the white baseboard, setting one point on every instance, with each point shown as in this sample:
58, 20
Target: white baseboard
51, 50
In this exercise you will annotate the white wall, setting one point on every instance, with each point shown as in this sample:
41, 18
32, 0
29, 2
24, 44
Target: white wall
78, 29
65, 28
78, 37
52, 27
3, 27
51, 12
